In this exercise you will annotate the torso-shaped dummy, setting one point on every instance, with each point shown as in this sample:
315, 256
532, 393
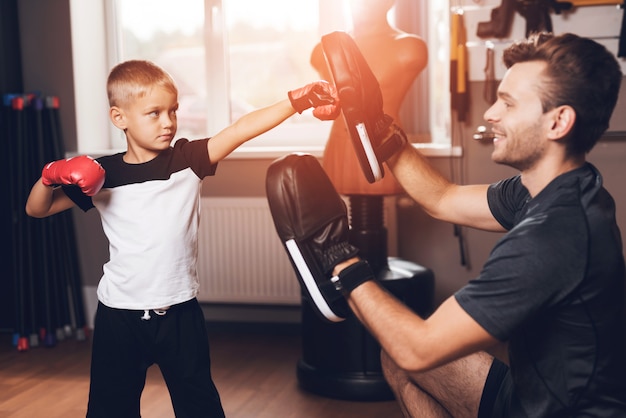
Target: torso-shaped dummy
396, 58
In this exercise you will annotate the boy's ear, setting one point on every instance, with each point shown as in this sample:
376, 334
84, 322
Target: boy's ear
562, 122
117, 117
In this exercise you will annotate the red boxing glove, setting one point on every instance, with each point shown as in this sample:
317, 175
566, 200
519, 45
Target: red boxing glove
83, 171
321, 95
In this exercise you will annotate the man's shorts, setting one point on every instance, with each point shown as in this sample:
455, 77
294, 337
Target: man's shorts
497, 393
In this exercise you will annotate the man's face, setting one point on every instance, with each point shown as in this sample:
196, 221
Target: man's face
517, 117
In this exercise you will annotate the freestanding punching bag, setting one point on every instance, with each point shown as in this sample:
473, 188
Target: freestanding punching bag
342, 359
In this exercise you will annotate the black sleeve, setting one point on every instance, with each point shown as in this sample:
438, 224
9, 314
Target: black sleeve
506, 199
534, 266
197, 155
78, 197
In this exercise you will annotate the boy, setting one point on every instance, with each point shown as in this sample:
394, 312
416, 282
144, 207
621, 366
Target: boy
148, 201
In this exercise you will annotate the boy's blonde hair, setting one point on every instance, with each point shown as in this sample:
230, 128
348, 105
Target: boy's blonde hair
133, 79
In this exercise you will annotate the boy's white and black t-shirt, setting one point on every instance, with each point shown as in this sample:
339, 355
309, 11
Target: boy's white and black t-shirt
150, 215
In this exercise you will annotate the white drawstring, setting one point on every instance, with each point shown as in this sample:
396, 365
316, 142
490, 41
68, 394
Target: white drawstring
146, 313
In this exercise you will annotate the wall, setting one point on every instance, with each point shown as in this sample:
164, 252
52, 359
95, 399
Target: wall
46, 60
47, 56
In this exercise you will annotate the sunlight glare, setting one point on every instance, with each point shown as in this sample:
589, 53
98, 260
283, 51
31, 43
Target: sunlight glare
276, 14
150, 16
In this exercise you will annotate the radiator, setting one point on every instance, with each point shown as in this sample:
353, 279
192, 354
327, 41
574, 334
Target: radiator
241, 258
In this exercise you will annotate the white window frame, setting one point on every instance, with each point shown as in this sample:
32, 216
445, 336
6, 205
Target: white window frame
97, 136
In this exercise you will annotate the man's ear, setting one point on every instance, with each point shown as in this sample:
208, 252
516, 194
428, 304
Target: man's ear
117, 117
562, 122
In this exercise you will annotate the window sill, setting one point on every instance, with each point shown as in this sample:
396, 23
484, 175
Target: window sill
247, 152
250, 152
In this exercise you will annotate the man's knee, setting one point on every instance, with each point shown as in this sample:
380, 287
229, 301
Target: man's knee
387, 364
394, 375
456, 386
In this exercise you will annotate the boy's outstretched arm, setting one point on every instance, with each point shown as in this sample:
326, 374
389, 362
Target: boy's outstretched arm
320, 95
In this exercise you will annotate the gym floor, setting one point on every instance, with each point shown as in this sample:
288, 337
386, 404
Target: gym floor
254, 368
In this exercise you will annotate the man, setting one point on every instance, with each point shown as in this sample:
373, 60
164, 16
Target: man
553, 286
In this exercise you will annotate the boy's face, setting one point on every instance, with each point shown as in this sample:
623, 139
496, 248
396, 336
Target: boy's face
150, 122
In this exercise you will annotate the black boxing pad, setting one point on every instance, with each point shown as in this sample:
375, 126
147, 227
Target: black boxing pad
361, 104
312, 222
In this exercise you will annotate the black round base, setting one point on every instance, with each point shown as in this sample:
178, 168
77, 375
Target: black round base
342, 360
343, 385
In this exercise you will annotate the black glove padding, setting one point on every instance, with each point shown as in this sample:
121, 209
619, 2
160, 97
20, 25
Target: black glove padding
362, 104
312, 222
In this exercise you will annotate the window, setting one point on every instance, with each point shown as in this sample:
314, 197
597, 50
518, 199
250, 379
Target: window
231, 56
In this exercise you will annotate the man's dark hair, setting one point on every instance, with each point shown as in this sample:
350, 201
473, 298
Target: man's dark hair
580, 73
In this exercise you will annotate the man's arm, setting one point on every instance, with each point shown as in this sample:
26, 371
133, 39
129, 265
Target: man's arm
458, 204
413, 343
